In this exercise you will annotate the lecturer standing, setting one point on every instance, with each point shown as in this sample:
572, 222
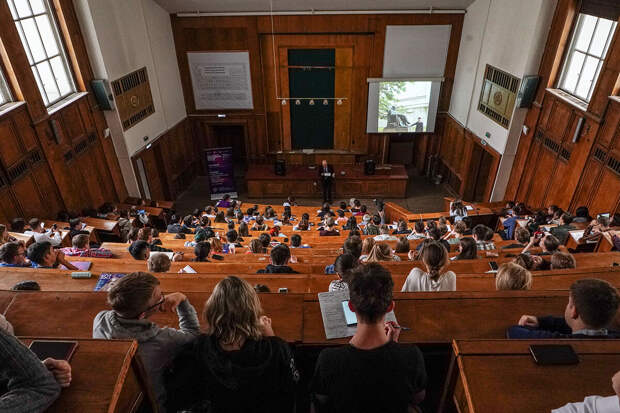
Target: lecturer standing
326, 176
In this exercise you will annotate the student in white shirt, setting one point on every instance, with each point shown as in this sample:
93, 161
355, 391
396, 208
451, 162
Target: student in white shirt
596, 404
435, 258
385, 234
52, 235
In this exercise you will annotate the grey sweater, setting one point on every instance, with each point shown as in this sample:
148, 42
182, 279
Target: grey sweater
25, 383
157, 346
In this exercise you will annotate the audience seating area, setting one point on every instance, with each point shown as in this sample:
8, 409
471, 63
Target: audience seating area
461, 333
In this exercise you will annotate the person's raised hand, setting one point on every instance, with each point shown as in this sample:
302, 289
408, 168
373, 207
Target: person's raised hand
528, 321
265, 323
172, 301
392, 331
60, 369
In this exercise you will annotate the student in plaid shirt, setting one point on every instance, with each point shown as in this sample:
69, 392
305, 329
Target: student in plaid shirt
483, 236
80, 248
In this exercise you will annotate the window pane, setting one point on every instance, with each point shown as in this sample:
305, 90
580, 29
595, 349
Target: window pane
600, 37
60, 72
49, 40
37, 6
49, 84
34, 41
572, 72
587, 77
12, 7
23, 8
38, 79
585, 34
21, 35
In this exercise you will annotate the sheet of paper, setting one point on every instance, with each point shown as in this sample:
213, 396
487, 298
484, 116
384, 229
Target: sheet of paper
189, 270
577, 235
81, 265
169, 254
334, 321
469, 208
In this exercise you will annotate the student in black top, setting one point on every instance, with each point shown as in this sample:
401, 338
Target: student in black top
373, 373
75, 228
591, 309
239, 365
279, 258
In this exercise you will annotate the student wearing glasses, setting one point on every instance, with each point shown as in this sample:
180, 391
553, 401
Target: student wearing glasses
134, 298
13, 254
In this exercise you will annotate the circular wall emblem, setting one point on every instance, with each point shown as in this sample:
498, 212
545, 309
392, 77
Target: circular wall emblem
497, 98
134, 101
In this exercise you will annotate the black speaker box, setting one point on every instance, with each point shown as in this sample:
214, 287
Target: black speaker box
527, 92
279, 167
369, 167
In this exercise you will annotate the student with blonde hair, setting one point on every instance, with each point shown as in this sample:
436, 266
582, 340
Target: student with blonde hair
562, 260
367, 245
511, 276
238, 365
435, 258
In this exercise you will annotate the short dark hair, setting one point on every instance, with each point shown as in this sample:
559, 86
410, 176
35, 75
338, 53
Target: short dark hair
402, 246
73, 222
296, 240
202, 250
38, 250
353, 246
344, 263
376, 219
280, 254
343, 205
551, 243
187, 220
596, 301
34, 223
18, 225
80, 241
265, 239
27, 285
137, 249
370, 288
130, 295
583, 212
566, 218
522, 235
8, 251
419, 226
482, 232
231, 235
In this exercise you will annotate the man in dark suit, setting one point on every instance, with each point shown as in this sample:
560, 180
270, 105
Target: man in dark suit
326, 176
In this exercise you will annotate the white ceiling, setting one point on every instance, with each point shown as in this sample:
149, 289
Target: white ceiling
223, 6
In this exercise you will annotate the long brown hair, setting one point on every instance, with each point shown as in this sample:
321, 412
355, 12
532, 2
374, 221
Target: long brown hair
367, 245
380, 252
233, 311
435, 257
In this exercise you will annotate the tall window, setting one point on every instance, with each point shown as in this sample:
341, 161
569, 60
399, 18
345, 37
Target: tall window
585, 57
5, 92
39, 34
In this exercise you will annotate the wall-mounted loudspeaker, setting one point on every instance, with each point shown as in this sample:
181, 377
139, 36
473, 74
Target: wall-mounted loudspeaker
578, 129
369, 167
280, 167
103, 94
527, 91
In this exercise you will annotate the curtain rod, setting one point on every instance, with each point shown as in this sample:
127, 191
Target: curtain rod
316, 12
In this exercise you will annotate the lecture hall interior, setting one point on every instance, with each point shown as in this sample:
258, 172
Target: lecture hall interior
310, 206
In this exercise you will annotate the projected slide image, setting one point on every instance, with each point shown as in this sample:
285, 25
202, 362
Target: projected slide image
404, 106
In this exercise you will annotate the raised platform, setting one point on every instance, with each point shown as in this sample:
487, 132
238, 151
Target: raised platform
315, 156
302, 182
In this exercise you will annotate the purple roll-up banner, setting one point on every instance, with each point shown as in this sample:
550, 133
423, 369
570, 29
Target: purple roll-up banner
221, 173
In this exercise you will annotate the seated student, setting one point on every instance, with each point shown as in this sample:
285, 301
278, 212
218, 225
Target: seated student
458, 210
562, 260
202, 252
80, 248
484, 237
467, 249
341, 219
275, 232
596, 404
381, 252
435, 234
18, 225
362, 211
265, 239
200, 236
40, 234
522, 236
595, 229
146, 234
402, 246
76, 228
343, 207
367, 245
256, 247
511, 223
373, 227
511, 276
436, 278
13, 254
243, 230
279, 258
351, 223
303, 225
296, 242
158, 262
355, 207
329, 229
232, 238
401, 228
42, 255
548, 244
349, 378
532, 262
259, 224
188, 225
224, 202
134, 298
342, 266
216, 245
553, 212
5, 236
384, 234
220, 218
27, 384
561, 231
582, 215
325, 211
140, 250
591, 309
238, 365
457, 232
419, 232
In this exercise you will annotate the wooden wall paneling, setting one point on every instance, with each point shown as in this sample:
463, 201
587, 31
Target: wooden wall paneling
606, 195
590, 180
9, 207
11, 150
27, 134
343, 86
27, 193
47, 188
273, 106
517, 175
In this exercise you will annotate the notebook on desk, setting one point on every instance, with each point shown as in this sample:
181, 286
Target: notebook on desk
81, 265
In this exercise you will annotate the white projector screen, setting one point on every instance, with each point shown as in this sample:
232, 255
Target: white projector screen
402, 106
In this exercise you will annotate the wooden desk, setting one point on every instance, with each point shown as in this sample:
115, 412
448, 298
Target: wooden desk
57, 314
501, 376
105, 378
106, 225
26, 239
156, 212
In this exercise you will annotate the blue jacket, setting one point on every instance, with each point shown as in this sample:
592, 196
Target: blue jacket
551, 327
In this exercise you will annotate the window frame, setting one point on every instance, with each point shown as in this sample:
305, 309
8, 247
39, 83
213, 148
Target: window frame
570, 53
6, 94
60, 44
